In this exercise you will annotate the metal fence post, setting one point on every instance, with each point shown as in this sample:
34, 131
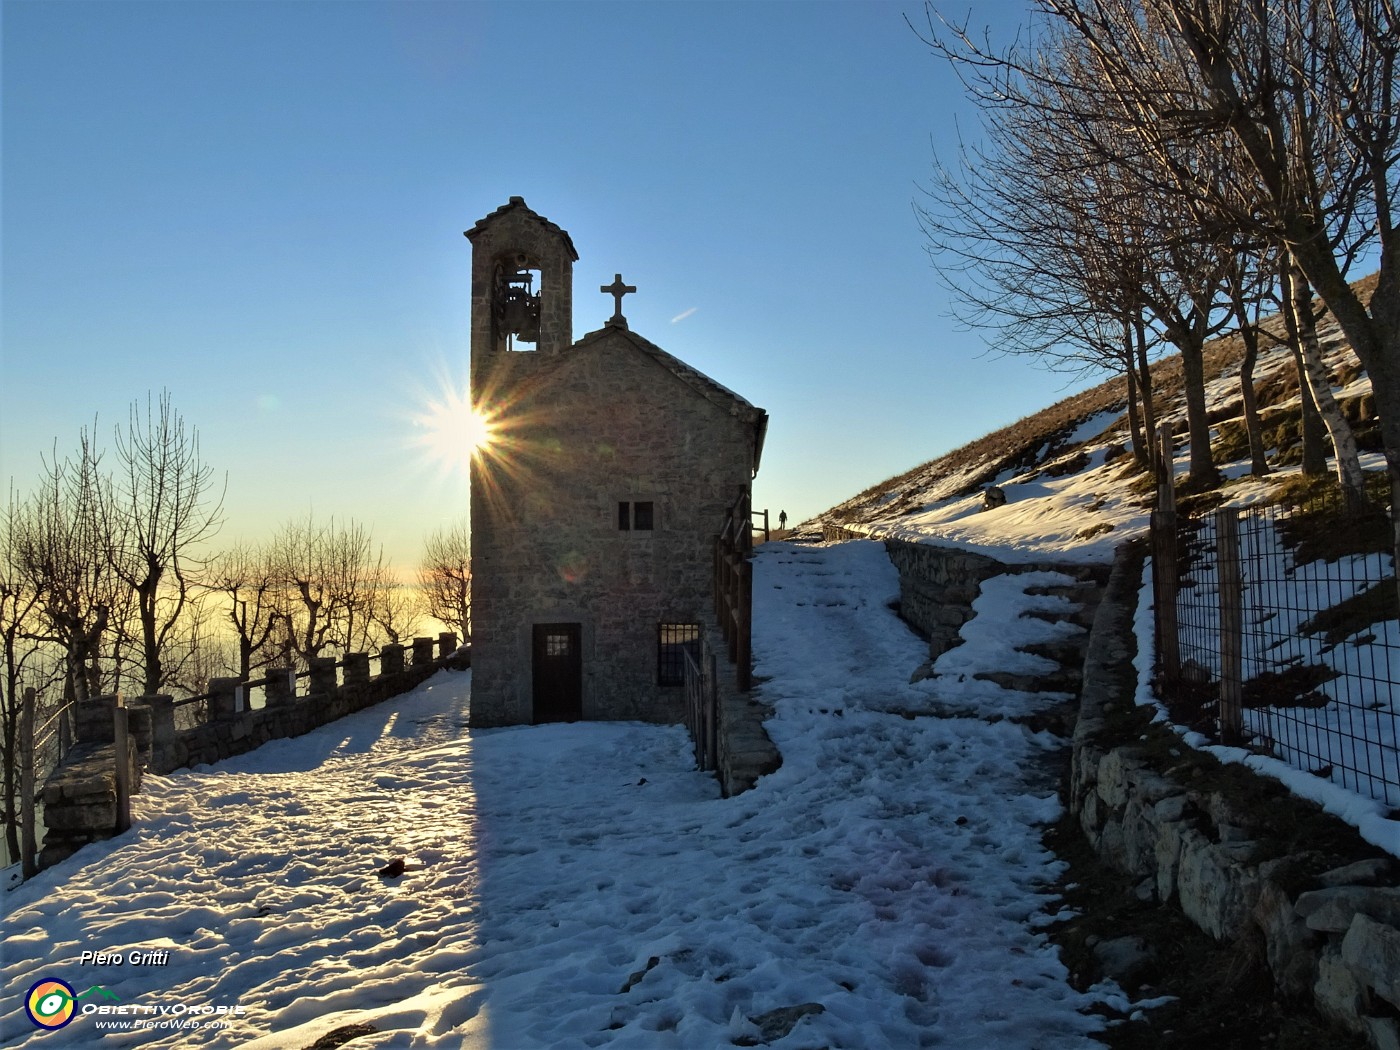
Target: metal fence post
28, 848
1227, 544
122, 746
1164, 587
711, 685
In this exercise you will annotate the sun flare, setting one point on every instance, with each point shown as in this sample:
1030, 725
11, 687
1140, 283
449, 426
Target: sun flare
450, 430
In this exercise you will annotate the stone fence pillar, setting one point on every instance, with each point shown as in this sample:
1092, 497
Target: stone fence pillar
92, 719
422, 652
162, 708
141, 727
281, 686
391, 659
225, 698
356, 669
322, 679
447, 643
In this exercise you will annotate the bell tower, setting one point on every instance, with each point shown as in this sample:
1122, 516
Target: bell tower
522, 285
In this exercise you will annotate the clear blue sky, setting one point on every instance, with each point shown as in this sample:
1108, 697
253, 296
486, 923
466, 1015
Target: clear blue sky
260, 206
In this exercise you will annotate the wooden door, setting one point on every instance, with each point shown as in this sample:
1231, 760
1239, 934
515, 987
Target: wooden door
558, 672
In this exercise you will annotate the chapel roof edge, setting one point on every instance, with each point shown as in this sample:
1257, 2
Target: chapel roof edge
688, 374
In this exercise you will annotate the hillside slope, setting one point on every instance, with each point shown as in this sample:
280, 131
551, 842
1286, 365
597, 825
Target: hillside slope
1073, 491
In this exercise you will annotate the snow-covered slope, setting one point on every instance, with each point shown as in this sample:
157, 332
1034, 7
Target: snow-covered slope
1073, 492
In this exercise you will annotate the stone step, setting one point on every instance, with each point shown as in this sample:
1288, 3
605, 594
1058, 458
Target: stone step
1061, 681
1081, 616
1068, 652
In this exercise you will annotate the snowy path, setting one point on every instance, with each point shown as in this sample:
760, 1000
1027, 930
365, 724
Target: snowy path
580, 886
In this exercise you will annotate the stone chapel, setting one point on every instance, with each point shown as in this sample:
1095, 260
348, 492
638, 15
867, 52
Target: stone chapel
596, 501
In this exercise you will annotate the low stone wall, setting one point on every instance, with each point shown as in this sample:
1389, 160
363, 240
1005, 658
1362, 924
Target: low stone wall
937, 586
238, 732
80, 796
80, 799
1245, 860
745, 751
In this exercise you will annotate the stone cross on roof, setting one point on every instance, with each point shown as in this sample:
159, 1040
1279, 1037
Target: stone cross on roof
617, 290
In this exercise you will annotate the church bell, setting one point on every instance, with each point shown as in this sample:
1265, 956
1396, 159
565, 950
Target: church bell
518, 307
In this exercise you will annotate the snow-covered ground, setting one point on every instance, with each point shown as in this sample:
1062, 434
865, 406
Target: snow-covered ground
1073, 502
583, 885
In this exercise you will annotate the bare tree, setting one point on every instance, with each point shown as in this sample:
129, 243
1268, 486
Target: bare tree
246, 580
63, 552
21, 638
1298, 303
1307, 90
1051, 239
1248, 283
328, 574
445, 573
166, 501
396, 609
1312, 453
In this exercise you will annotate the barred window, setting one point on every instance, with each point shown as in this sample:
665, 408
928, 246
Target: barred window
673, 641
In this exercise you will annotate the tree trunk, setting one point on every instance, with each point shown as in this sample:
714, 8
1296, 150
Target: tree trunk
151, 666
1314, 462
1134, 415
1190, 342
1348, 463
1144, 383
11, 755
12, 779
1249, 334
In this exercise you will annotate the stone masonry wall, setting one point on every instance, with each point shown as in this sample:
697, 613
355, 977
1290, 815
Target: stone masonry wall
80, 796
745, 752
608, 424
937, 586
1245, 860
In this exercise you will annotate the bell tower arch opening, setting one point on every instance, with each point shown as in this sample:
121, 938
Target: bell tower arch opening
516, 300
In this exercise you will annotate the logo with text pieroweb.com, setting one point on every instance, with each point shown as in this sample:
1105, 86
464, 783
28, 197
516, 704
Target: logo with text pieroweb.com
52, 1003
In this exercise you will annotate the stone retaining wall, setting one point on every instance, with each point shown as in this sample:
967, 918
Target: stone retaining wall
1245, 860
80, 796
743, 750
937, 586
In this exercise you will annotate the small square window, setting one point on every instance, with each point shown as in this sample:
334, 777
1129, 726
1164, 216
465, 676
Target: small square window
556, 645
639, 516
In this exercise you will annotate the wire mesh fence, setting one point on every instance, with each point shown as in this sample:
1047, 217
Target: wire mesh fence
1283, 635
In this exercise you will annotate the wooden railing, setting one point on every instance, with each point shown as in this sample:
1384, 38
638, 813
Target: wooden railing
31, 741
702, 706
734, 589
